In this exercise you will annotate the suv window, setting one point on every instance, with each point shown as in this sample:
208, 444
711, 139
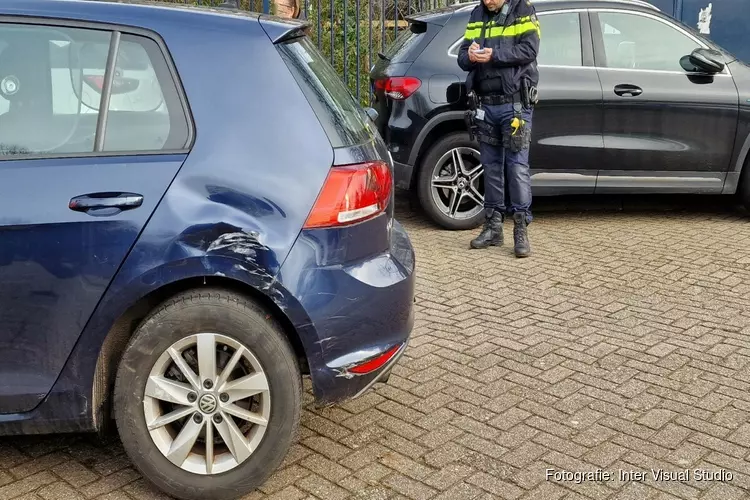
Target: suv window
343, 119
562, 40
401, 48
633, 41
562, 44
51, 80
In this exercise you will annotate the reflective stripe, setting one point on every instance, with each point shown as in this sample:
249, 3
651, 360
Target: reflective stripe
522, 26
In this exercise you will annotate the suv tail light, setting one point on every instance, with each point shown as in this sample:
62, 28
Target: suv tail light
352, 193
398, 87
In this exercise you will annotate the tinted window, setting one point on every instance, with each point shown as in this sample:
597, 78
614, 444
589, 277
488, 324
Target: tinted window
561, 45
402, 48
637, 42
343, 119
50, 93
562, 40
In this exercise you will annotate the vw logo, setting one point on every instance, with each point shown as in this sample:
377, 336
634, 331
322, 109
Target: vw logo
9, 85
207, 403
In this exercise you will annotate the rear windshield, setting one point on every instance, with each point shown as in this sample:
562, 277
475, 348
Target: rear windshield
401, 50
344, 120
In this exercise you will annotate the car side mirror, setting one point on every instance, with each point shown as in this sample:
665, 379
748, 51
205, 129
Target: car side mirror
372, 113
702, 61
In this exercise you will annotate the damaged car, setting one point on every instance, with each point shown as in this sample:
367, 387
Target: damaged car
184, 238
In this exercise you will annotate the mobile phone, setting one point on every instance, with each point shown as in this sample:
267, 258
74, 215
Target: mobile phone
479, 51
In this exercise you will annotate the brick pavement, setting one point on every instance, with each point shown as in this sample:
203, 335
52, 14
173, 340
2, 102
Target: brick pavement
620, 345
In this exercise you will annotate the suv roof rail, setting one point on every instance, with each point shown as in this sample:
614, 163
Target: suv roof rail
463, 6
642, 3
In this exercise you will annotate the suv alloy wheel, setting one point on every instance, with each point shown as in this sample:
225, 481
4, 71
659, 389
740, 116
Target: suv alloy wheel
451, 183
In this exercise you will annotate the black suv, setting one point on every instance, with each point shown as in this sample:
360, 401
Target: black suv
631, 101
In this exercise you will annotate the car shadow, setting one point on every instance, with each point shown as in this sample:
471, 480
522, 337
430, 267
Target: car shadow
550, 207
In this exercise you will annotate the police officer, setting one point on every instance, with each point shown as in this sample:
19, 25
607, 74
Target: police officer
499, 51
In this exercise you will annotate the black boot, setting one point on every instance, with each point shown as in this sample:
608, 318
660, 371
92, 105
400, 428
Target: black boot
520, 236
492, 231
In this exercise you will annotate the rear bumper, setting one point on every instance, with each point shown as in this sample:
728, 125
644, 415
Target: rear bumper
360, 315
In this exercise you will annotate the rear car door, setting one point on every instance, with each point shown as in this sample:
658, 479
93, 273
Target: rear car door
664, 129
92, 132
567, 143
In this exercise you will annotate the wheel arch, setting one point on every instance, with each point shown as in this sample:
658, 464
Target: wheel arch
122, 330
439, 126
740, 183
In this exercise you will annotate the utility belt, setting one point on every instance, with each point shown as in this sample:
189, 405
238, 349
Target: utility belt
517, 137
498, 99
528, 96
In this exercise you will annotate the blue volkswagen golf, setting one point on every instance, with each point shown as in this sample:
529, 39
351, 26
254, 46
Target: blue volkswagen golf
194, 214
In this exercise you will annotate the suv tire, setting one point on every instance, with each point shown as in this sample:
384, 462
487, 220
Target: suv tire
437, 153
192, 326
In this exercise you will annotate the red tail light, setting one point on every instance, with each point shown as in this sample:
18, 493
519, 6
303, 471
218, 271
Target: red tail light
398, 87
352, 193
375, 363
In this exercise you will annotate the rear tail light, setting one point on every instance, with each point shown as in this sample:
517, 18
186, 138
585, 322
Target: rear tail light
375, 363
398, 87
352, 193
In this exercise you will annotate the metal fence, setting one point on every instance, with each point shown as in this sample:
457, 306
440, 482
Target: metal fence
348, 32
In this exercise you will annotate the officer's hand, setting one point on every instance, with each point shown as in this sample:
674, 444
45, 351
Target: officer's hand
472, 56
485, 56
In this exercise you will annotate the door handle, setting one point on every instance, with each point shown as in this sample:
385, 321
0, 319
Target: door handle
105, 203
627, 89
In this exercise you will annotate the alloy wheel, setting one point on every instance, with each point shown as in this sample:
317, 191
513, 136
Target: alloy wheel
457, 184
207, 403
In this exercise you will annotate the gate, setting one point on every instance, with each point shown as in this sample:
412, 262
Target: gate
350, 33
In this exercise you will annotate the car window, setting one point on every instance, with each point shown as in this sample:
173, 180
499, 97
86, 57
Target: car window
562, 44
405, 40
41, 110
145, 113
51, 81
634, 41
343, 119
562, 40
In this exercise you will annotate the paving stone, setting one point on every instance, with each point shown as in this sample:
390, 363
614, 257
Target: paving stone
621, 343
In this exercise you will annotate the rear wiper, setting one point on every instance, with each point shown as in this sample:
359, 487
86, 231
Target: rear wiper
383, 57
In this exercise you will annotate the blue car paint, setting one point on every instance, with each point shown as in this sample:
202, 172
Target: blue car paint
230, 214
55, 264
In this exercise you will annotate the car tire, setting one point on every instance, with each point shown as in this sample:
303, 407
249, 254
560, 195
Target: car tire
437, 154
189, 321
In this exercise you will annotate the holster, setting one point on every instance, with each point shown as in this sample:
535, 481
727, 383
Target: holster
529, 94
518, 142
519, 139
471, 113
